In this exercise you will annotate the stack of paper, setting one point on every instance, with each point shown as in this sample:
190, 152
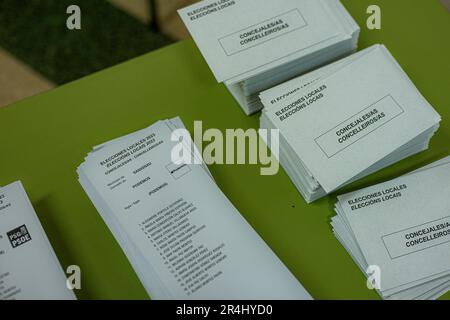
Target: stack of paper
398, 232
252, 45
347, 120
29, 268
183, 237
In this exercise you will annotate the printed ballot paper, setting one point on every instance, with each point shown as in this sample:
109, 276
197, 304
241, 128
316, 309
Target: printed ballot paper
252, 45
400, 230
29, 268
183, 237
347, 120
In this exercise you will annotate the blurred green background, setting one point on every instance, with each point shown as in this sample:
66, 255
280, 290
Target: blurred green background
44, 139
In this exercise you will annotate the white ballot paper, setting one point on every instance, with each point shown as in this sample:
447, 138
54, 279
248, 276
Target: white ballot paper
183, 237
252, 45
400, 230
347, 120
29, 268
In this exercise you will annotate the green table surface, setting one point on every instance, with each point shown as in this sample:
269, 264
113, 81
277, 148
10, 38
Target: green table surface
43, 139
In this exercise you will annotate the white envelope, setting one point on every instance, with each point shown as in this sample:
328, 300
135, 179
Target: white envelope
354, 117
403, 226
29, 268
242, 38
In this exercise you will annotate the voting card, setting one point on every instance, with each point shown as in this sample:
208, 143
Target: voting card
29, 268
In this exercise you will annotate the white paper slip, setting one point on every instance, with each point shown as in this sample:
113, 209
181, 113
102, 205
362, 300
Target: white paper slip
341, 122
29, 268
183, 237
252, 45
402, 227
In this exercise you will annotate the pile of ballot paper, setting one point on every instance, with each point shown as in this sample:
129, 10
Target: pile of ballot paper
29, 268
347, 120
252, 45
398, 232
183, 237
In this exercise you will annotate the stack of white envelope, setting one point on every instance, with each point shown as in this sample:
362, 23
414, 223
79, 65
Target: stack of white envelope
253, 45
398, 232
183, 237
29, 268
347, 120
